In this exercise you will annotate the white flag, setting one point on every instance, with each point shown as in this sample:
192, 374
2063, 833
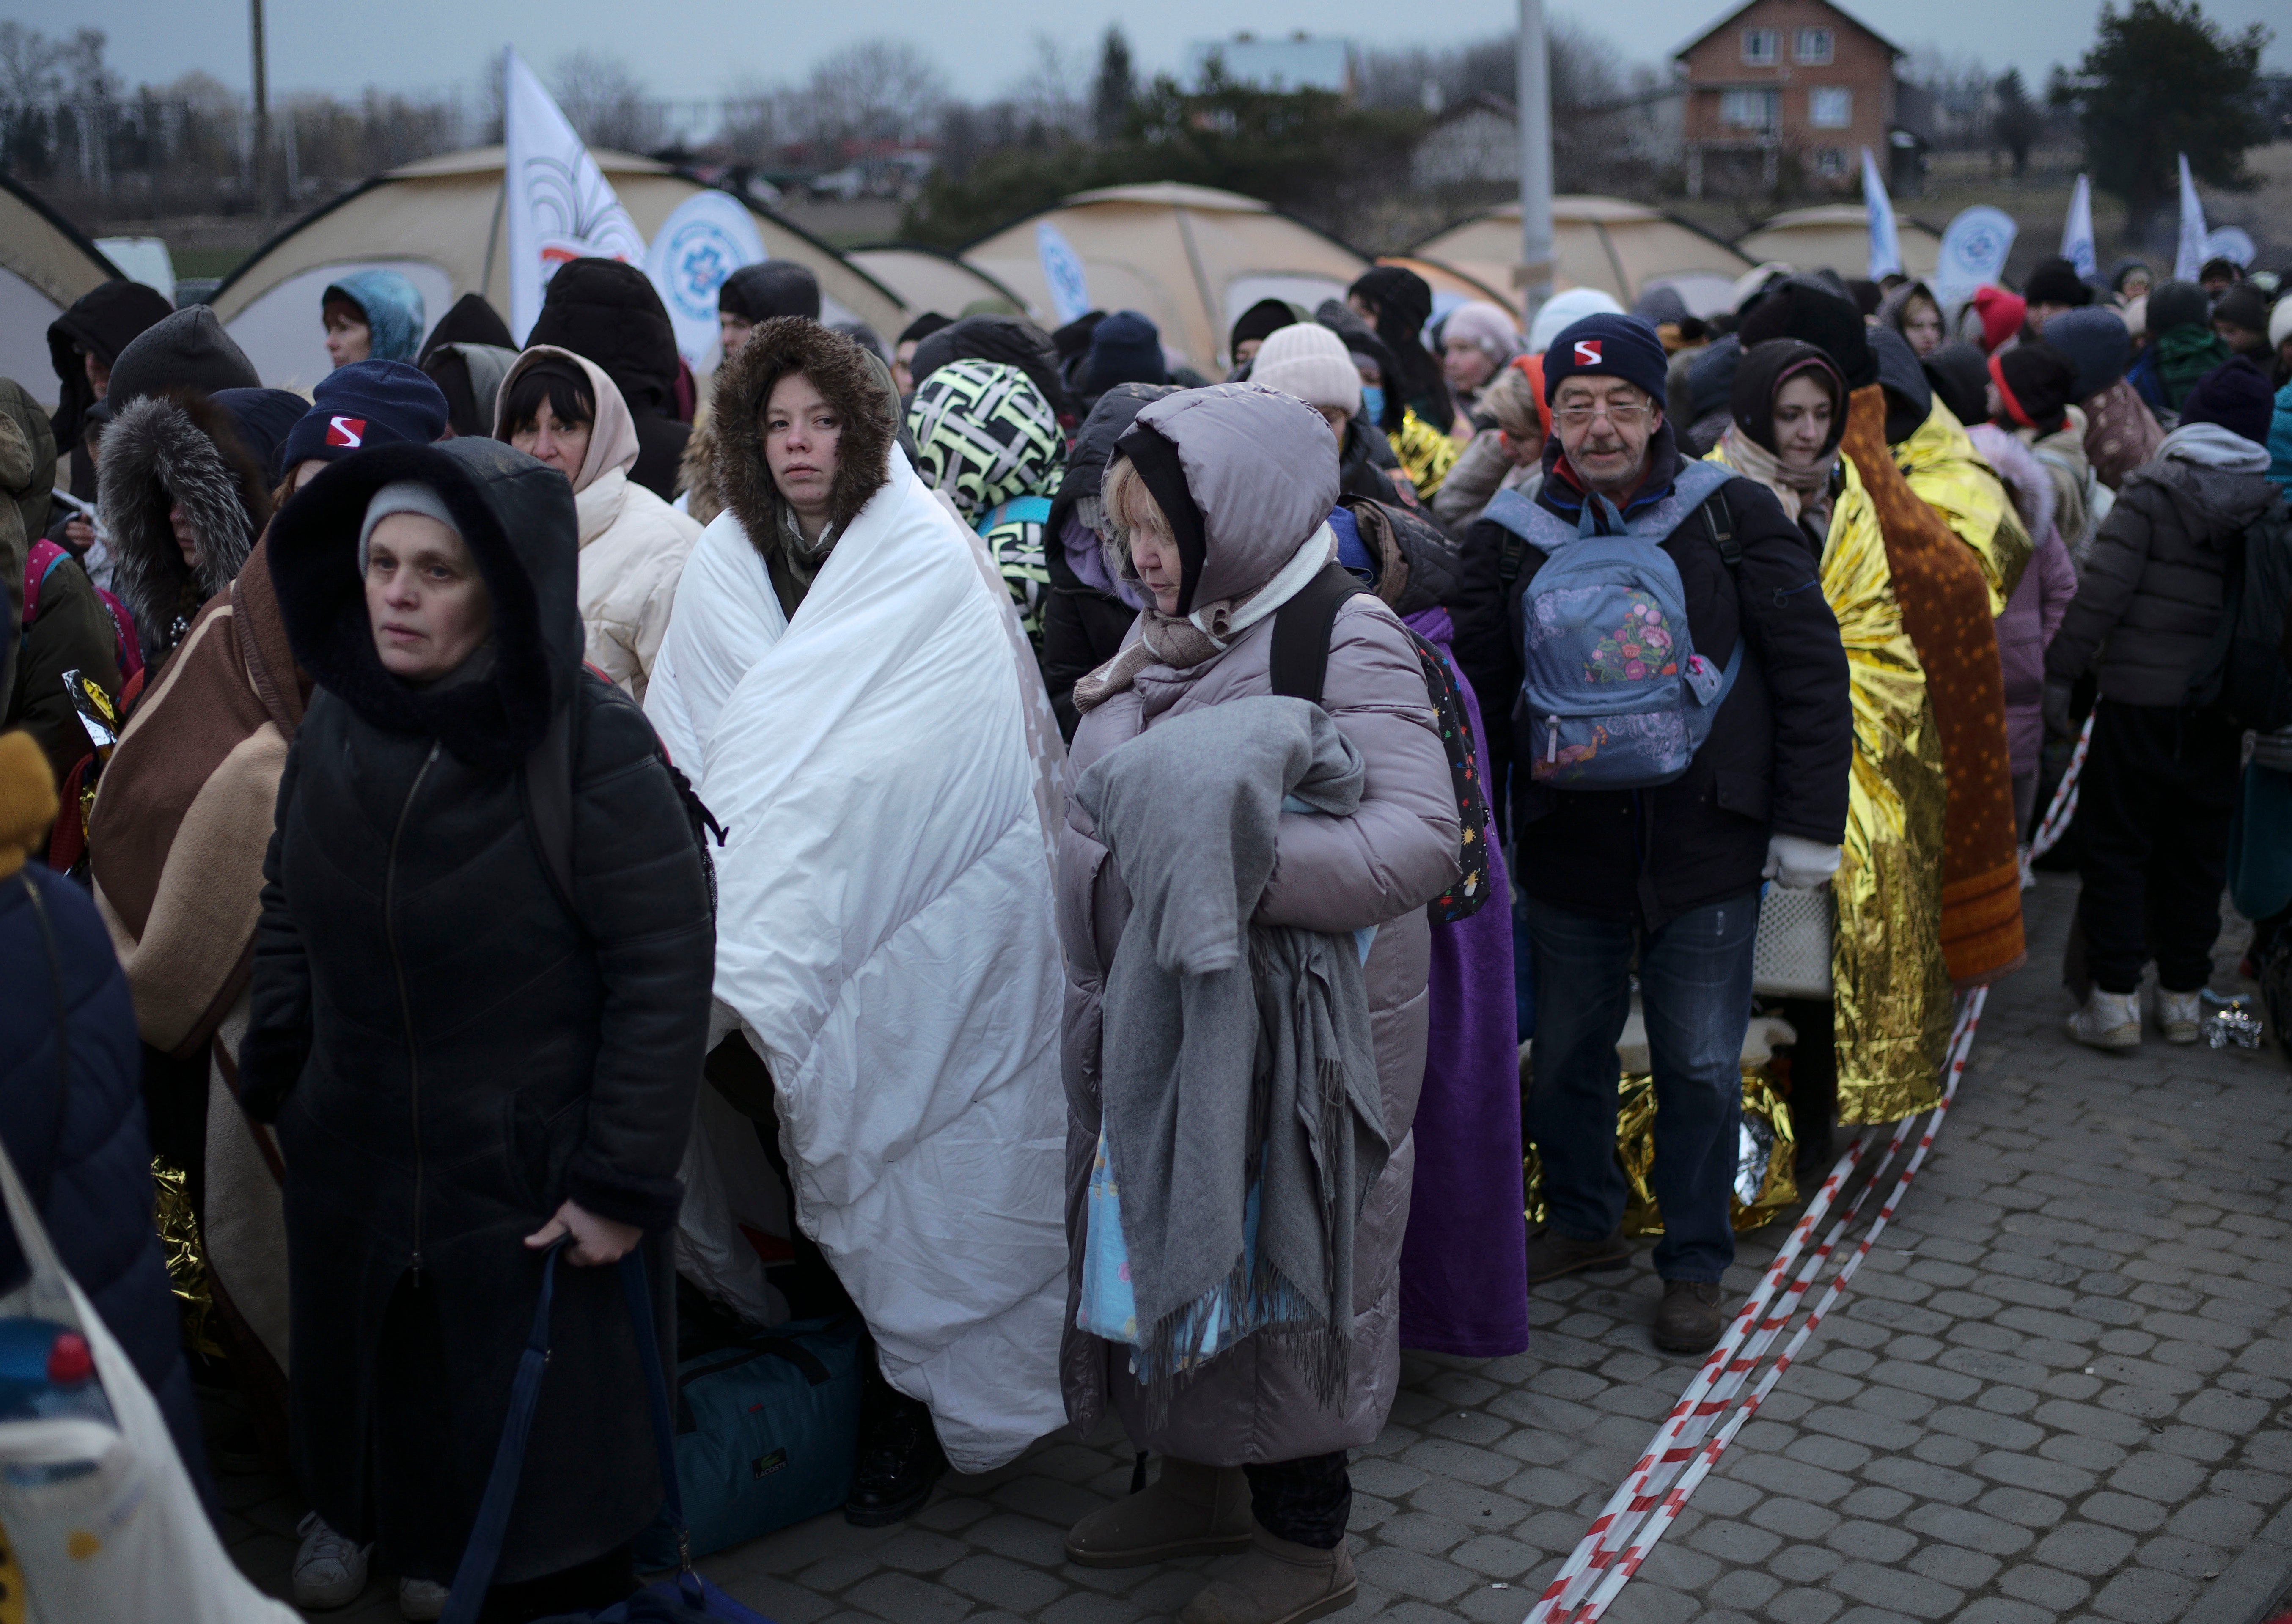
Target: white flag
2189, 252
2232, 244
708, 237
1885, 248
1063, 271
558, 203
2077, 231
1973, 249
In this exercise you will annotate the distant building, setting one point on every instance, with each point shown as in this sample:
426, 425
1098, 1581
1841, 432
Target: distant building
1786, 75
1299, 62
1477, 142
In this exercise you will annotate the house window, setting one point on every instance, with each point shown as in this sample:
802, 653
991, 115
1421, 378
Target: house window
1830, 107
1748, 110
1830, 161
1811, 47
1762, 47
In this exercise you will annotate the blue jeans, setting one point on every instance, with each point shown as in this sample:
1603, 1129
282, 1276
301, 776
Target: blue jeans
1695, 991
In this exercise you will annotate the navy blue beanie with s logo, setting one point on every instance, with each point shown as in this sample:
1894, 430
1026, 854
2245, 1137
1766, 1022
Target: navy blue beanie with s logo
1608, 345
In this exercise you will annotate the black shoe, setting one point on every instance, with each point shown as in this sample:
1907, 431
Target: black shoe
1689, 1320
899, 1462
1551, 1254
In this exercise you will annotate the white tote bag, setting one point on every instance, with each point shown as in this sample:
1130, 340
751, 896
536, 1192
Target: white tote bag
128, 1542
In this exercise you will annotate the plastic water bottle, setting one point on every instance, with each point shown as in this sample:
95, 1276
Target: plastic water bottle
47, 1372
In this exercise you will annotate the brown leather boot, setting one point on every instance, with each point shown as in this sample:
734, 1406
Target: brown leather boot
1277, 1582
1189, 1510
1691, 1319
1551, 1254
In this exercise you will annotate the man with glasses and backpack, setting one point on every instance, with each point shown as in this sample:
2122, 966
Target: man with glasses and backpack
1681, 732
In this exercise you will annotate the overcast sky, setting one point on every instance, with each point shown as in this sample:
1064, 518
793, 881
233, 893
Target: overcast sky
707, 47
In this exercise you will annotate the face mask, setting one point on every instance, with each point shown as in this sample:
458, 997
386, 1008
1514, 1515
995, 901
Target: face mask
1373, 402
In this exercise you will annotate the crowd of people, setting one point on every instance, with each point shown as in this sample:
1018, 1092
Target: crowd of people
1144, 860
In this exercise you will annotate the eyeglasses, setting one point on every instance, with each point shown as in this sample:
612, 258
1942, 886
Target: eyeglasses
1622, 416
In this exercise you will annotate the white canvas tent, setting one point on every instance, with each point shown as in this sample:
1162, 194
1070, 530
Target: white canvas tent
927, 279
45, 264
439, 222
1620, 248
1191, 258
1838, 235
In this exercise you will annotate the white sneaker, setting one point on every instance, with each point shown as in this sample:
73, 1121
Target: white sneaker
2107, 1020
329, 1569
2178, 1013
421, 1598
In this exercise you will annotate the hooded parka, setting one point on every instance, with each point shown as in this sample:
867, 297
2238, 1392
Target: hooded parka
449, 1053
1264, 481
607, 312
632, 544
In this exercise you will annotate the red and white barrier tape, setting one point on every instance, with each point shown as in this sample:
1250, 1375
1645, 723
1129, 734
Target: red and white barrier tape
1643, 1509
2064, 806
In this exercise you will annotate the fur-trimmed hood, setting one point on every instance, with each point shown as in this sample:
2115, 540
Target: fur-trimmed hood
179, 447
843, 373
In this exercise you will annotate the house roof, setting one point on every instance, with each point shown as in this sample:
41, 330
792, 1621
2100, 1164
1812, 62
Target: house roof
1844, 16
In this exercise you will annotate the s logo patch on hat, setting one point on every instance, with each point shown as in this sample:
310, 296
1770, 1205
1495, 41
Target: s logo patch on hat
352, 430
1587, 353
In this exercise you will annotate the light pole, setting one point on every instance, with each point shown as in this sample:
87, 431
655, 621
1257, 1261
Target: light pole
1532, 276
261, 118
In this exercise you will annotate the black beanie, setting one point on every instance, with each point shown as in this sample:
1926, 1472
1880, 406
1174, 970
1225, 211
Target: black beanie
1813, 313
1958, 372
2243, 305
774, 287
1261, 322
2038, 378
922, 327
2176, 303
2235, 396
2055, 281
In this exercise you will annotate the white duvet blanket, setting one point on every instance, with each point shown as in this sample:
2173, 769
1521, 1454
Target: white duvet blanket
885, 936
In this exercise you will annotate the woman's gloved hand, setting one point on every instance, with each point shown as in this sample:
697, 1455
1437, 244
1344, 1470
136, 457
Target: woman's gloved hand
2053, 704
1799, 864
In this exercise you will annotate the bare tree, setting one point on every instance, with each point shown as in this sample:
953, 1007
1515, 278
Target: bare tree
878, 90
604, 103
1044, 97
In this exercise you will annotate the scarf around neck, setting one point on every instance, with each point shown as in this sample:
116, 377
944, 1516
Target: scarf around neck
1803, 491
1183, 641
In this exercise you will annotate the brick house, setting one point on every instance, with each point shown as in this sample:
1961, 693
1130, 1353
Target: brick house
1772, 76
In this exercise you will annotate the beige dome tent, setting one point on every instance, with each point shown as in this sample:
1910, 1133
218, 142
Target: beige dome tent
928, 280
1189, 258
439, 222
1838, 235
45, 264
1620, 248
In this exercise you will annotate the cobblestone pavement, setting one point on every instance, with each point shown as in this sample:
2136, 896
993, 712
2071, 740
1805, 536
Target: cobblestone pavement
2055, 1392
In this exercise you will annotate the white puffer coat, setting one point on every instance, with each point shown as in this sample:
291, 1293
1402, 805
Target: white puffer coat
632, 544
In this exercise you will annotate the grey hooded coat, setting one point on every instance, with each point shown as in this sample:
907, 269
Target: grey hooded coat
1265, 476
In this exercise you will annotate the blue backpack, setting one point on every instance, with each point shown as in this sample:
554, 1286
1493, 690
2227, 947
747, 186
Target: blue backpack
1613, 692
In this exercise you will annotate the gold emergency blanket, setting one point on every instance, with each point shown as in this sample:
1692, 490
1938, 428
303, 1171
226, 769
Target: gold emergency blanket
1763, 1184
1891, 991
187, 1264
1949, 476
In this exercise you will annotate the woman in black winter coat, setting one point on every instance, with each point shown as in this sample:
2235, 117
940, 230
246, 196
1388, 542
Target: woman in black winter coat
465, 1062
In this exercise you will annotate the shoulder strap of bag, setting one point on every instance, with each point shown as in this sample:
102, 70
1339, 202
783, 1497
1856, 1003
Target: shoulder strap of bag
1300, 657
482, 1554
547, 789
1721, 524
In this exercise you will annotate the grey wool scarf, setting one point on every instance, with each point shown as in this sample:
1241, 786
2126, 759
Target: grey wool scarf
1233, 1051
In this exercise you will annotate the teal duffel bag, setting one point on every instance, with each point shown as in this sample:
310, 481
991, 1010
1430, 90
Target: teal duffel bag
766, 1432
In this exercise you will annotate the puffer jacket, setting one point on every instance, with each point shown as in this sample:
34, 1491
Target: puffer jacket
2033, 614
449, 1052
2279, 441
632, 544
1378, 867
83, 1153
2063, 456
609, 314
1082, 626
2150, 598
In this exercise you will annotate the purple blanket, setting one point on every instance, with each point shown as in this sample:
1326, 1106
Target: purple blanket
1463, 1264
